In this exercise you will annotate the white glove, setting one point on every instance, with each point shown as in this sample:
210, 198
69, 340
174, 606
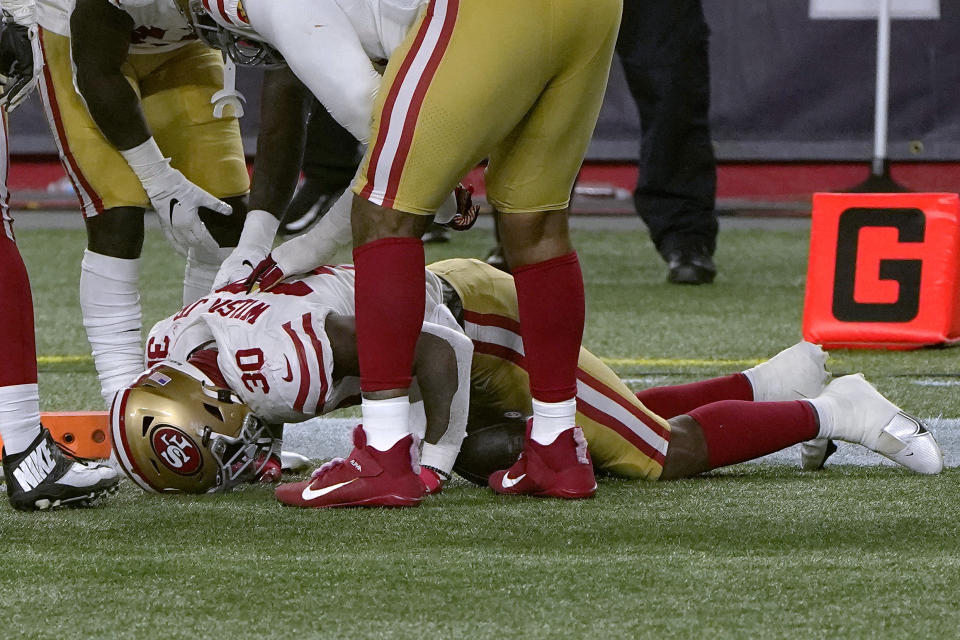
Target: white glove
21, 59
256, 240
174, 198
318, 245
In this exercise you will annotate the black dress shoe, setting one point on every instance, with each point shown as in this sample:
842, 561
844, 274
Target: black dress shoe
690, 265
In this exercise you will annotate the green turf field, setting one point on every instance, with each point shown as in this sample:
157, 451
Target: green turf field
753, 551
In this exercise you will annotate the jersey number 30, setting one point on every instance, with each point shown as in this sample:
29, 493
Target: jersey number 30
250, 361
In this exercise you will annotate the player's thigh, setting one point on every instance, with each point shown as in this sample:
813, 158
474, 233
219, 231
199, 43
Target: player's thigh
625, 438
534, 167
450, 93
177, 103
101, 177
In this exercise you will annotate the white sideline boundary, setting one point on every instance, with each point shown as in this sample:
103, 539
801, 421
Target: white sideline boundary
324, 438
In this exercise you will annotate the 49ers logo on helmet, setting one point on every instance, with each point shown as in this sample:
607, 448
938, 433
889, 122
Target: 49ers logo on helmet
177, 451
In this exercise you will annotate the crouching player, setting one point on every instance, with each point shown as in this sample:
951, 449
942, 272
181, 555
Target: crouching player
289, 353
127, 91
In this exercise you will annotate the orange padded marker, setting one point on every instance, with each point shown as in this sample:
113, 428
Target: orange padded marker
85, 433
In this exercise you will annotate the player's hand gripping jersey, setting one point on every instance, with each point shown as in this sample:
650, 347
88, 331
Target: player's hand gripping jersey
273, 350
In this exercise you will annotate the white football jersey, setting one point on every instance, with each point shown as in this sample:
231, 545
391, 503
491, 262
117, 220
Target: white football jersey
158, 24
381, 25
335, 47
273, 349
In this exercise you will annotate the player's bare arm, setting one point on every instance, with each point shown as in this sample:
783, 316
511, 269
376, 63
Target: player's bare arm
100, 42
285, 106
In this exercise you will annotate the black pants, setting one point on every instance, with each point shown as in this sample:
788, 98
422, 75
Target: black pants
663, 46
330, 159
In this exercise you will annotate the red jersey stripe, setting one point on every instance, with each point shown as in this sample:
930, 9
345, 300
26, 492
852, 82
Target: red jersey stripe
492, 320
388, 104
612, 395
304, 369
416, 102
223, 12
318, 352
80, 185
499, 351
623, 430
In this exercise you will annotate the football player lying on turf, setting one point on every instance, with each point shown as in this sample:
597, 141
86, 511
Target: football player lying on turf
288, 354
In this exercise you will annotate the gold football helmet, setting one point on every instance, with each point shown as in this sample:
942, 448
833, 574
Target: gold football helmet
175, 431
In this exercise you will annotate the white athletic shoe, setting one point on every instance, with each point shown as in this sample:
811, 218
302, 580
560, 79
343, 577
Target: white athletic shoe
858, 413
795, 373
46, 477
814, 453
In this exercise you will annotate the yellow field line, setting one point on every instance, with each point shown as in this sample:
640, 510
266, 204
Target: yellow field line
613, 362
64, 359
677, 362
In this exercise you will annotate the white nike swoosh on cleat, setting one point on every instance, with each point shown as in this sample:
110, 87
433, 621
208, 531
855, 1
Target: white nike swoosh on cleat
509, 482
310, 494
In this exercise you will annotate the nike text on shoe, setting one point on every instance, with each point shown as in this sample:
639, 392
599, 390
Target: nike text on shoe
561, 469
367, 478
859, 413
46, 477
814, 453
795, 373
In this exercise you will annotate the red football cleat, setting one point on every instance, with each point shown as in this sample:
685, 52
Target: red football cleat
367, 478
561, 469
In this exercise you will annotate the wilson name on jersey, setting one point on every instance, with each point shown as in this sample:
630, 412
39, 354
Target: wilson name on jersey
273, 349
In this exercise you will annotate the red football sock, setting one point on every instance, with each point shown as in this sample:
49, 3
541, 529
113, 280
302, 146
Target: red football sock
17, 342
551, 308
676, 400
390, 297
737, 431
